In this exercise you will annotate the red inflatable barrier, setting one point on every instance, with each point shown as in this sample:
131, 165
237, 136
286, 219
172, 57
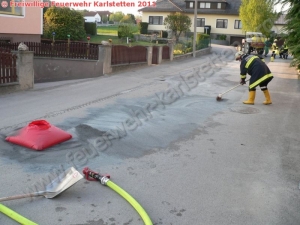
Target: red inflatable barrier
39, 135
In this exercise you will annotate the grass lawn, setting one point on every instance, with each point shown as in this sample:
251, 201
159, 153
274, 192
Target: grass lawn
113, 30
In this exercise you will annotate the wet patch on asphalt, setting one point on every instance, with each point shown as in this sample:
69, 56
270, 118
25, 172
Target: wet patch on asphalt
155, 128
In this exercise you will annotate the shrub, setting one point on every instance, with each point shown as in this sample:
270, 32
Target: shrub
90, 28
125, 30
164, 34
143, 28
202, 37
221, 37
202, 41
63, 21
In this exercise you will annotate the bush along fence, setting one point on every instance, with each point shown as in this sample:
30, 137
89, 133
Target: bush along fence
70, 50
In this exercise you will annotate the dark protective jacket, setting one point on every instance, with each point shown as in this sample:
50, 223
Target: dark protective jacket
256, 68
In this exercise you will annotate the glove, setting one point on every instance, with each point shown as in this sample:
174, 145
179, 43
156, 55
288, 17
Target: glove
242, 82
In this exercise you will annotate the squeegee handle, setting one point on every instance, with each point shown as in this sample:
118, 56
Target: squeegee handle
35, 194
232, 88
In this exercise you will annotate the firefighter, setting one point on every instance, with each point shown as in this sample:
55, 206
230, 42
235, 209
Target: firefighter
274, 49
260, 76
284, 52
267, 46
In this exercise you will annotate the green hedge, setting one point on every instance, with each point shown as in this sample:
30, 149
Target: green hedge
144, 28
90, 28
164, 34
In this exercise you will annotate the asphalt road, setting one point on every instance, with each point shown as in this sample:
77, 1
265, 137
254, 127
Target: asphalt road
162, 136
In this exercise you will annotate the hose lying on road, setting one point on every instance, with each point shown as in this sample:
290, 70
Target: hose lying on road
131, 200
105, 181
15, 216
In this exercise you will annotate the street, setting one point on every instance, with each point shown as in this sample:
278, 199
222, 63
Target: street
160, 134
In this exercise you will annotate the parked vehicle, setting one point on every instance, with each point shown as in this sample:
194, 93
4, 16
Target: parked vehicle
254, 42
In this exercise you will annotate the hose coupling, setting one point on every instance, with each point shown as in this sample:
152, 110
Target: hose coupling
104, 180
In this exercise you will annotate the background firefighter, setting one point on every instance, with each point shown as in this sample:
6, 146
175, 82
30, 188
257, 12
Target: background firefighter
260, 76
274, 49
284, 51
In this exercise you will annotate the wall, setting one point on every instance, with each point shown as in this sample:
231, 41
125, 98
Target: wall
29, 23
21, 37
145, 18
55, 69
278, 29
210, 20
58, 69
28, 27
92, 19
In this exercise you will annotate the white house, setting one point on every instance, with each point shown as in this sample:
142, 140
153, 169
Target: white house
92, 17
219, 17
279, 24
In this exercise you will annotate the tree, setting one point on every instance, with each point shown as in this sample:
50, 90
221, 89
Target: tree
64, 21
46, 2
258, 15
178, 23
104, 18
127, 19
292, 29
116, 17
132, 18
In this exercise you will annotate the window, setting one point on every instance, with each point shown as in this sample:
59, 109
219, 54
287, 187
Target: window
200, 22
204, 5
237, 24
9, 7
156, 20
221, 23
191, 5
219, 6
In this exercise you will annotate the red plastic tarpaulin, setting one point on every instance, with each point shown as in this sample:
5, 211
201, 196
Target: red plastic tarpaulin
39, 135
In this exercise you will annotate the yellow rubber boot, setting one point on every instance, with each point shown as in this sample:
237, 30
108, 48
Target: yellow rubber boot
251, 98
268, 98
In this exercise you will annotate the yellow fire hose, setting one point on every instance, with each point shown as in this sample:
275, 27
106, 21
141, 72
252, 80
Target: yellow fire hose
15, 216
90, 175
131, 200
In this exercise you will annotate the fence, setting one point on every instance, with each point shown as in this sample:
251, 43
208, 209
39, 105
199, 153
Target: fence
71, 50
166, 52
128, 55
8, 68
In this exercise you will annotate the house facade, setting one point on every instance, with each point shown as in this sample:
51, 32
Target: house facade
92, 17
279, 24
97, 17
104, 15
217, 17
19, 23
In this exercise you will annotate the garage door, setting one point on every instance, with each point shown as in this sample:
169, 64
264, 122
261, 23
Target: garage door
236, 40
